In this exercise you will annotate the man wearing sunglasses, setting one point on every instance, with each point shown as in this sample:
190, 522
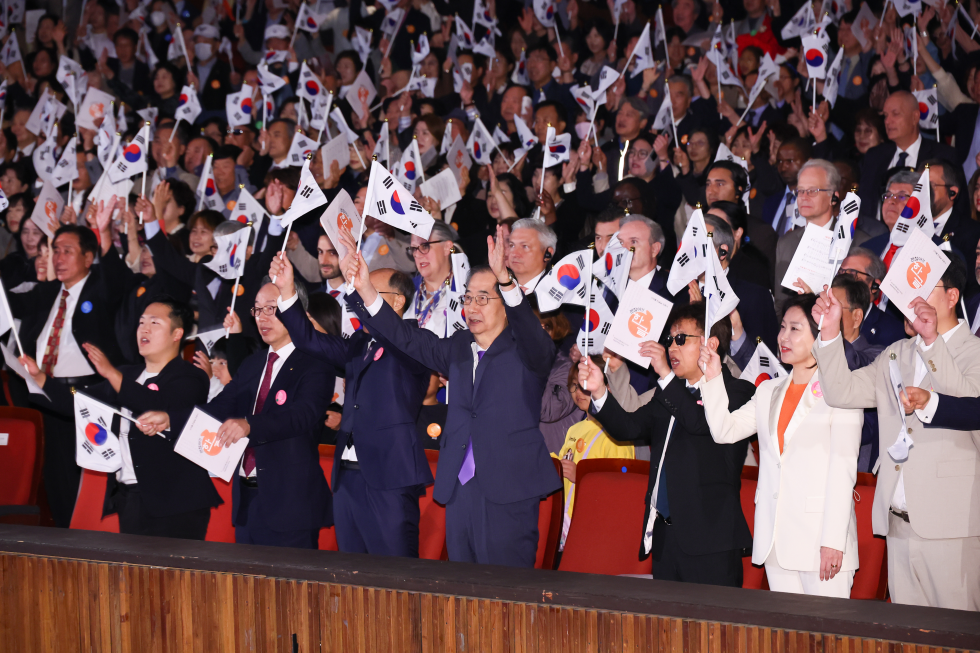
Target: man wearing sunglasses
693, 527
494, 466
380, 469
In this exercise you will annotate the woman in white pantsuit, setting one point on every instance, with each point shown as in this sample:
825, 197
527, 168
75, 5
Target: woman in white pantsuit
805, 528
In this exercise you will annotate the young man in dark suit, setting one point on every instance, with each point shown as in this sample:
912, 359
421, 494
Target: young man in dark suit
278, 400
157, 491
693, 526
380, 469
57, 318
494, 466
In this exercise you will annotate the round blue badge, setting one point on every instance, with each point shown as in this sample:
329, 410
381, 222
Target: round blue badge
86, 307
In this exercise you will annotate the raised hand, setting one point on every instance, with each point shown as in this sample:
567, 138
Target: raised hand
590, 376
709, 361
496, 256
153, 422
281, 269
828, 308
926, 322
657, 354
232, 322
202, 361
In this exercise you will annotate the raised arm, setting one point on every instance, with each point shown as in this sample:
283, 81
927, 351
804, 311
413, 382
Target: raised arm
841, 387
726, 427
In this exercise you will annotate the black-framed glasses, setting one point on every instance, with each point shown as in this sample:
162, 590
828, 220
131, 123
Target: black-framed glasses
234, 132
481, 300
850, 272
268, 311
423, 248
680, 339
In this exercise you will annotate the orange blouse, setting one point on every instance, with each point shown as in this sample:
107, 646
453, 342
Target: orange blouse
792, 399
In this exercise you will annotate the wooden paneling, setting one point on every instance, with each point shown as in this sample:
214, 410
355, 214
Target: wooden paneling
68, 605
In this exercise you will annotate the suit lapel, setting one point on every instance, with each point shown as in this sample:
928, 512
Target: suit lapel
775, 403
907, 363
807, 402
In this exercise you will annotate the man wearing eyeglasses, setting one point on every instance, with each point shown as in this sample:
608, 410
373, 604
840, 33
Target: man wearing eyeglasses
494, 467
817, 195
879, 328
380, 469
950, 217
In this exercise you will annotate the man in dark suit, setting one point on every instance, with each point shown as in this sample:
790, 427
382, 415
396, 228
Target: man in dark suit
693, 525
951, 214
961, 124
779, 209
879, 328
157, 491
380, 469
905, 148
494, 466
57, 318
277, 399
213, 74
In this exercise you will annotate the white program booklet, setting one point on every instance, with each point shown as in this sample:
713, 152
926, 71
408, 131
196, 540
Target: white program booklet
914, 272
641, 317
811, 260
198, 443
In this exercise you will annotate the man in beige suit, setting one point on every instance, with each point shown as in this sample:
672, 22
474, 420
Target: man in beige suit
927, 500
818, 200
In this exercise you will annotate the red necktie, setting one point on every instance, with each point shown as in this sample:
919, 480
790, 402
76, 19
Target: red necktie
889, 255
334, 293
249, 463
50, 358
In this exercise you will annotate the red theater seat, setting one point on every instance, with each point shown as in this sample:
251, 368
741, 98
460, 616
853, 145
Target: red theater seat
328, 537
549, 525
220, 528
871, 578
753, 578
604, 536
88, 505
432, 519
21, 457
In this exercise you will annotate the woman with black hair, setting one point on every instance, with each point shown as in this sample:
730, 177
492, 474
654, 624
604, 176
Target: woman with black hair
22, 242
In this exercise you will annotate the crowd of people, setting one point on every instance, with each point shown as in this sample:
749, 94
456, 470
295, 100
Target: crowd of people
531, 135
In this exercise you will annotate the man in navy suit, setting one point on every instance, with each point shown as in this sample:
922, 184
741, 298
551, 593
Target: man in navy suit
380, 469
494, 466
950, 213
904, 148
277, 400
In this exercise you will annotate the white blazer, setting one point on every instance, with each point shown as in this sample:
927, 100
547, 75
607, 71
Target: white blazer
804, 497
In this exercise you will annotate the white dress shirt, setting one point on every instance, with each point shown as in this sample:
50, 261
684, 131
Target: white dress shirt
127, 475
644, 281
913, 154
532, 283
941, 219
71, 358
283, 353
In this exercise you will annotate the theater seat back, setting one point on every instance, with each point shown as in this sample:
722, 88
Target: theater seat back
604, 536
220, 528
871, 578
328, 536
21, 454
549, 525
753, 578
88, 505
432, 519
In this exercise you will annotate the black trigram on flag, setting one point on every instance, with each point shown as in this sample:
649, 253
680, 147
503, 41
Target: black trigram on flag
108, 454
605, 328
921, 221
763, 361
619, 258
902, 227
415, 225
917, 188
556, 294
84, 413
453, 305
122, 167
241, 206
588, 342
684, 260
581, 291
388, 183
139, 139
851, 207
458, 326
88, 447
306, 192
415, 206
296, 158
694, 230
101, 421
381, 207
580, 262
721, 293
222, 268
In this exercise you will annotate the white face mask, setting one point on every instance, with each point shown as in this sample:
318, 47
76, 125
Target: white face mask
404, 123
158, 18
583, 129
202, 51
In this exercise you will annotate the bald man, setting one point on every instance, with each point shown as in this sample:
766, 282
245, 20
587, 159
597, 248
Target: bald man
905, 148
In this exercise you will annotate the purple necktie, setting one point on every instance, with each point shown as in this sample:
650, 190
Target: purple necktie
468, 469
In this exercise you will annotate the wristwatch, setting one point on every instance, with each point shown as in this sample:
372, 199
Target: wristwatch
512, 280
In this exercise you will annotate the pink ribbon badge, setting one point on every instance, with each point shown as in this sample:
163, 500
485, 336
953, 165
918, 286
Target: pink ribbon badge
378, 353
152, 386
817, 392
281, 397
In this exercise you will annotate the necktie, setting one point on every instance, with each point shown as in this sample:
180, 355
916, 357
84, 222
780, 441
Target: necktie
335, 293
468, 469
902, 158
54, 339
784, 219
249, 463
523, 290
890, 255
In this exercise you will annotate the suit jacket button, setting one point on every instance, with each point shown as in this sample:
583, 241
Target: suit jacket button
356, 406
910, 431
897, 467
474, 415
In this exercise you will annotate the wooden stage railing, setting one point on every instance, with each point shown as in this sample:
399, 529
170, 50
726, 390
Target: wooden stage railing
69, 591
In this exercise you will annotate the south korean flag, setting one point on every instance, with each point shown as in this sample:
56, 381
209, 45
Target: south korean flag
309, 85
455, 311
613, 267
481, 143
308, 197
566, 282
134, 157
96, 446
917, 214
389, 201
928, 108
593, 333
67, 168
300, 149
238, 106
248, 210
689, 261
229, 260
762, 366
557, 149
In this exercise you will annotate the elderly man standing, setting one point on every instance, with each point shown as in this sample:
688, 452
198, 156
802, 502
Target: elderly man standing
817, 195
905, 148
494, 467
